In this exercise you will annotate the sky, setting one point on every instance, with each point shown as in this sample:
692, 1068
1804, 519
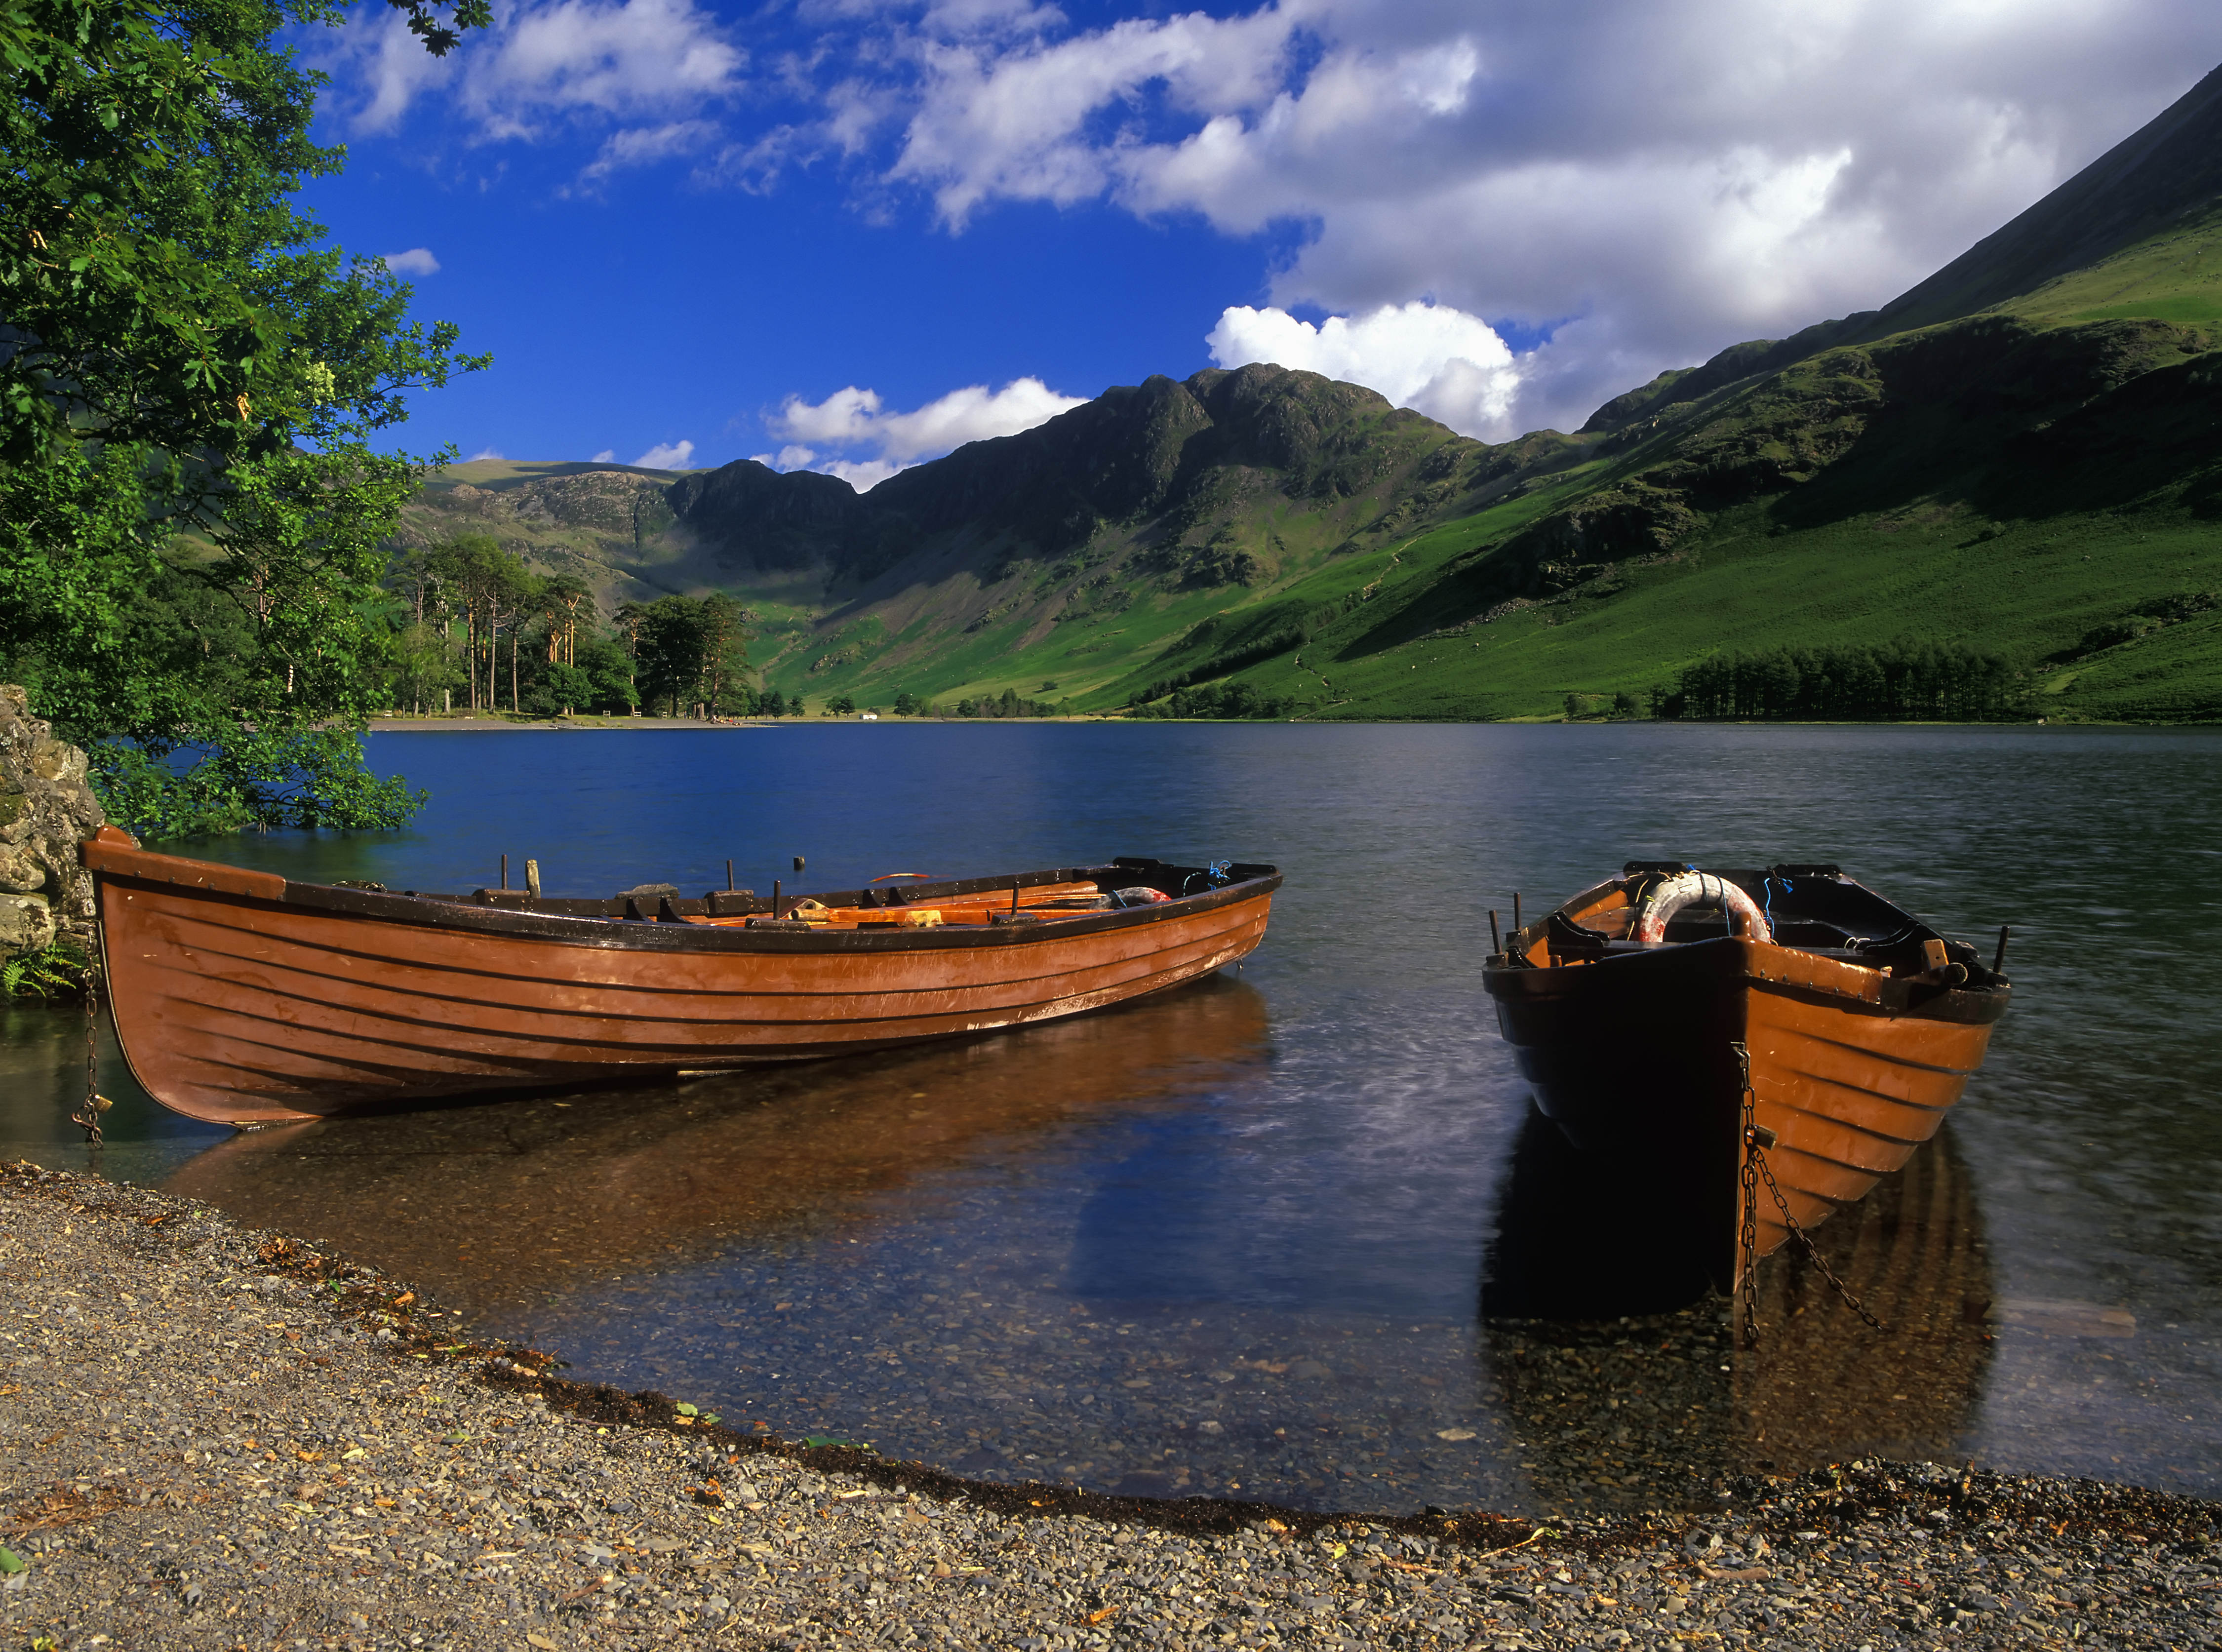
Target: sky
851, 234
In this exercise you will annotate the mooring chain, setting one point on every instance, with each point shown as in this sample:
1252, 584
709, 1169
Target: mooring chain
1750, 1234
88, 1117
1755, 1167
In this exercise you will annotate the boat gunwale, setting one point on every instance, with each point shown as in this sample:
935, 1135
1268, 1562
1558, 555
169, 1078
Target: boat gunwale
1957, 1006
109, 861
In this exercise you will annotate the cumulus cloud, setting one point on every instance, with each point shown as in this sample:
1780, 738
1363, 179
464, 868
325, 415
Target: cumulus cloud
647, 72
1641, 181
854, 418
417, 260
607, 456
483, 453
667, 455
1449, 365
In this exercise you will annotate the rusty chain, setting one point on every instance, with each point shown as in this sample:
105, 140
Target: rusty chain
88, 1117
1755, 1168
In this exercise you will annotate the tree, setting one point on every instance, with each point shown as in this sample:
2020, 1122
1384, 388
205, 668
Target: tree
725, 655
670, 643
190, 512
840, 706
607, 665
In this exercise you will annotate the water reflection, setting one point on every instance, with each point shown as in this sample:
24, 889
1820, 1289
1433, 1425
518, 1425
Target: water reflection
495, 1205
1620, 1396
1287, 1241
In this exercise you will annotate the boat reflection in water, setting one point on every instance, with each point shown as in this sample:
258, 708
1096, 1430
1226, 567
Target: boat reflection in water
497, 1206
1624, 1378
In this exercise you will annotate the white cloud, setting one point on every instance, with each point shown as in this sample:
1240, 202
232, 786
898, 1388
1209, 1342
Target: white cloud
417, 260
607, 456
1646, 181
854, 418
483, 453
639, 146
863, 474
1449, 365
651, 68
667, 455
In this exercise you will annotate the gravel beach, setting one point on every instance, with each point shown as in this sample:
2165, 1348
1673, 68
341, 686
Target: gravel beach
216, 1437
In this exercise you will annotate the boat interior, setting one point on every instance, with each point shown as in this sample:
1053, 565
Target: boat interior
894, 901
1810, 907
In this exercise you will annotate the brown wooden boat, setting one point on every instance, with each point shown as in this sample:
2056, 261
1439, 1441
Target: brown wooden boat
246, 998
1631, 1008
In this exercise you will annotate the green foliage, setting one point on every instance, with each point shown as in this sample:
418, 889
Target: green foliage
268, 777
442, 38
189, 511
1007, 703
1898, 682
691, 652
1222, 699
57, 972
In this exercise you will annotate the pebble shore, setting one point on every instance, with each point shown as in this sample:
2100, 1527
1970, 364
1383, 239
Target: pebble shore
216, 1437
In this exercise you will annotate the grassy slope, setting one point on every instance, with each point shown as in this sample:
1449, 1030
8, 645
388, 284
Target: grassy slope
1934, 524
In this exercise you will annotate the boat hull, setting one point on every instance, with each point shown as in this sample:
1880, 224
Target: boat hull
1636, 1055
240, 998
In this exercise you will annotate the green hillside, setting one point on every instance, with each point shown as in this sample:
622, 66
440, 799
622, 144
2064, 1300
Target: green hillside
2022, 456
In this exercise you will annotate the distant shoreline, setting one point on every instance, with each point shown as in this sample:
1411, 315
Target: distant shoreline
497, 724
563, 725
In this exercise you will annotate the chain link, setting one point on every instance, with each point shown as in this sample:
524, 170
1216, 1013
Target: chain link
1749, 1236
1756, 1169
88, 1117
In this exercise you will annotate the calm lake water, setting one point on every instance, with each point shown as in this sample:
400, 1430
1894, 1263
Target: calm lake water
1235, 1238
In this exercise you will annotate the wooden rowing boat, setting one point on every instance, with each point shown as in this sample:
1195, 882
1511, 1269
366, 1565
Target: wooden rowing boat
1790, 1021
246, 998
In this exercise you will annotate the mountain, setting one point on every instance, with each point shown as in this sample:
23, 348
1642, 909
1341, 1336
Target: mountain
1081, 547
2020, 453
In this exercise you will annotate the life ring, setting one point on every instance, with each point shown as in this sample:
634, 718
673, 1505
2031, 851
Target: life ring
1692, 889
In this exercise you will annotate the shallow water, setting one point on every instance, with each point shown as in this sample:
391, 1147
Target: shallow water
1235, 1238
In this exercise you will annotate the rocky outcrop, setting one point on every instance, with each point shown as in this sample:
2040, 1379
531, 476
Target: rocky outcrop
46, 811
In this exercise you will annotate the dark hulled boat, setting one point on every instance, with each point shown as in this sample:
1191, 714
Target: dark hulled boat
1645, 1012
246, 998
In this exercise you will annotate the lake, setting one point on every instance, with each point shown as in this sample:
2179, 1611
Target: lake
1235, 1239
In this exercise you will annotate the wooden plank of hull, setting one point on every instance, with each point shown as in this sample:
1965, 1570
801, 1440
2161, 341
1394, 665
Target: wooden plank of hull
1849, 1092
241, 1009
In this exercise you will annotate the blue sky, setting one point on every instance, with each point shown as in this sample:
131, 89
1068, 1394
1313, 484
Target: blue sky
851, 235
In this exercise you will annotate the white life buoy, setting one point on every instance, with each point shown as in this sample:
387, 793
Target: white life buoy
1694, 888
